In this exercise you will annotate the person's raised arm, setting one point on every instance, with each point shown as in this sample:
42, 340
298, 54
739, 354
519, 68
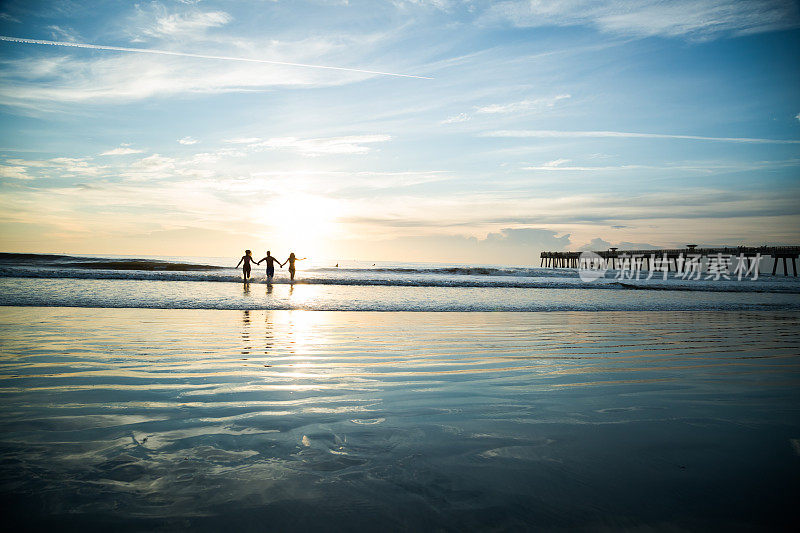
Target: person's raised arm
259, 261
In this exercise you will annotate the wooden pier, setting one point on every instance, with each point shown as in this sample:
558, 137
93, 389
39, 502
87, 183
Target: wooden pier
614, 256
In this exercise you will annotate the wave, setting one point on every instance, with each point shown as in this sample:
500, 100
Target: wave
141, 265
217, 276
100, 263
450, 271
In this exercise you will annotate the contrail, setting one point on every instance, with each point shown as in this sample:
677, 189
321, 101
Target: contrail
201, 56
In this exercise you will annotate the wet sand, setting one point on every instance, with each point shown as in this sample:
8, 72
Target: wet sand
145, 419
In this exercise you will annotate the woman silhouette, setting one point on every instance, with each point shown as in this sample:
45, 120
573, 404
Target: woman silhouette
291, 261
247, 258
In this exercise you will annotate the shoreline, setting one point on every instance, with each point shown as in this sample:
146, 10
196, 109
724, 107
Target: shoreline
216, 295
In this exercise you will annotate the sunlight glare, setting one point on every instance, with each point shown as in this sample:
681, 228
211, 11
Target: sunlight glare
305, 222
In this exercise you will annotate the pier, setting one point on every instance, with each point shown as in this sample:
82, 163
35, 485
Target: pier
614, 256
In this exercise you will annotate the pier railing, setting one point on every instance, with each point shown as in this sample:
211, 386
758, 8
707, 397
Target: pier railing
671, 256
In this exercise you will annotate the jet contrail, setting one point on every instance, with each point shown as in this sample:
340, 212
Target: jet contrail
201, 56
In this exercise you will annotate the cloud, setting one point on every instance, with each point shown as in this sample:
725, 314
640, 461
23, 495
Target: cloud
311, 147
188, 140
535, 237
59, 166
45, 82
706, 167
14, 172
175, 25
508, 246
122, 150
513, 107
544, 134
353, 144
524, 105
598, 244
243, 140
67, 34
8, 18
475, 212
461, 117
151, 167
692, 19
136, 73
443, 5
595, 244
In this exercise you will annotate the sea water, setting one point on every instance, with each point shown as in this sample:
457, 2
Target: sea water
211, 283
138, 398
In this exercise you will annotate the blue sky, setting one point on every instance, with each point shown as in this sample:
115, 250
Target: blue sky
545, 126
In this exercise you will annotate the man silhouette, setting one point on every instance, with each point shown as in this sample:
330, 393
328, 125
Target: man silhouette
270, 265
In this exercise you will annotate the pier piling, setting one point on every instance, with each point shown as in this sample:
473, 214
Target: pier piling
668, 258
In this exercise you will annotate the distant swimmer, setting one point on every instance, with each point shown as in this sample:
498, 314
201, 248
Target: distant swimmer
270, 265
245, 261
291, 261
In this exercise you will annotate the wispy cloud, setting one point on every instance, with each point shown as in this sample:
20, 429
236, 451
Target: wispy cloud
706, 167
188, 140
455, 119
556, 163
67, 34
176, 25
8, 18
524, 105
697, 19
14, 172
200, 56
352, 144
311, 147
544, 134
122, 150
518, 107
60, 166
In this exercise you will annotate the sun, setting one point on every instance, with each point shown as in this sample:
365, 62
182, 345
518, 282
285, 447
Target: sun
304, 222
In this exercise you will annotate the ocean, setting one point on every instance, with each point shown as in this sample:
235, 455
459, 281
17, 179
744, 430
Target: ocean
212, 283
164, 394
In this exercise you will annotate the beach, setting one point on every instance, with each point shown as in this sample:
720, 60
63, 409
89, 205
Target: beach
401, 266
261, 419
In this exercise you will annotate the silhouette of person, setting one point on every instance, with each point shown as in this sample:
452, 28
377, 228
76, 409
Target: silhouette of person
270, 265
292, 258
245, 261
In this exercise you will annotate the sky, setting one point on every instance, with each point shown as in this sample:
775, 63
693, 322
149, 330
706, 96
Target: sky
448, 131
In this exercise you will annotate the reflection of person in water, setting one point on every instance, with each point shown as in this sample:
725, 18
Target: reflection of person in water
245, 261
292, 258
270, 265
